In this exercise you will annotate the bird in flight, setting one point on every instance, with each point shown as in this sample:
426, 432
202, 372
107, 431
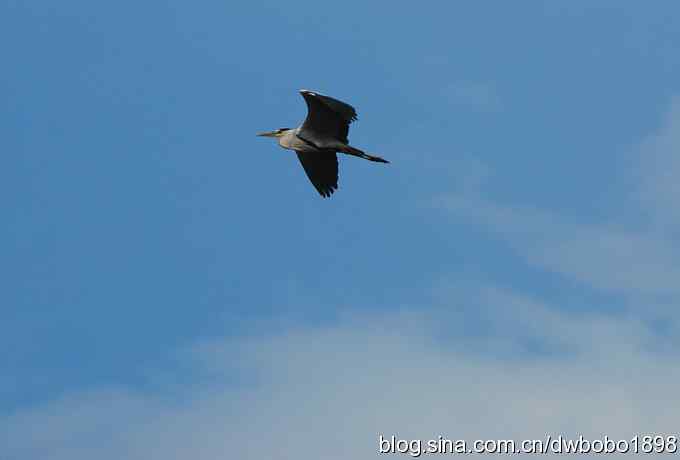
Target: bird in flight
319, 138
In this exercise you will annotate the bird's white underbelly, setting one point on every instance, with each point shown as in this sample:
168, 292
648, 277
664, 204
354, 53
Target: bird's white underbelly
295, 143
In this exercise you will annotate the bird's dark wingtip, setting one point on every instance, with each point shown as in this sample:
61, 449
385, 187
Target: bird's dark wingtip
328, 192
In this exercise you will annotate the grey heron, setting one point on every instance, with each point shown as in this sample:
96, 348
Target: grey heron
319, 138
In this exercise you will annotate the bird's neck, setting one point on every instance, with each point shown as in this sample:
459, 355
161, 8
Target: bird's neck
286, 140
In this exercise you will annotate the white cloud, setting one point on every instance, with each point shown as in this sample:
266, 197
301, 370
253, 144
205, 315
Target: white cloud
611, 256
328, 392
606, 256
658, 171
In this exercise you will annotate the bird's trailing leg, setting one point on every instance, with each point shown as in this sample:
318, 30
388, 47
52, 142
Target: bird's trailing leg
348, 149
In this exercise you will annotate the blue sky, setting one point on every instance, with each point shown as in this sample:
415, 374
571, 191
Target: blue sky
162, 263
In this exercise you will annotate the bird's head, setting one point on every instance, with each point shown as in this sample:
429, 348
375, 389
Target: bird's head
276, 133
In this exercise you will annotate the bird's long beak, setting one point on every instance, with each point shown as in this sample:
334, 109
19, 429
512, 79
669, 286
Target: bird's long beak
267, 134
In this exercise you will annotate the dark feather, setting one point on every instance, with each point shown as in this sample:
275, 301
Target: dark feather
322, 170
327, 118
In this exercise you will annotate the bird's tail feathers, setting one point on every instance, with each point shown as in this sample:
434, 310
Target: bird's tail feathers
348, 149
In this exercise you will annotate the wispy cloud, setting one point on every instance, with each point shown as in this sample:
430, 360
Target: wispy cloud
606, 256
611, 255
329, 391
657, 170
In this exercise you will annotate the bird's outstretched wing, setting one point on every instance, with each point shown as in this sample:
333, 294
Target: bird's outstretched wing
322, 170
327, 118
